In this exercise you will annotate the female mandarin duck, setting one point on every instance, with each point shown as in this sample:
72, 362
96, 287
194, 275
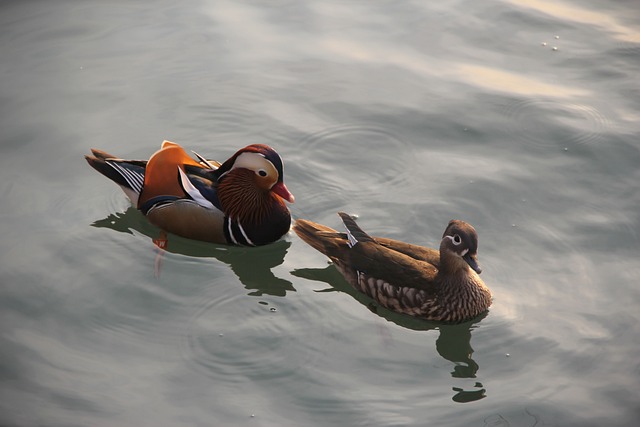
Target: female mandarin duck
238, 202
406, 278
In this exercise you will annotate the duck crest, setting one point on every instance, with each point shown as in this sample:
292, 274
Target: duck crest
263, 150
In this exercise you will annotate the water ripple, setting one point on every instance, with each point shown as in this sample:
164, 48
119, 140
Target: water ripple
271, 341
389, 163
628, 50
549, 123
225, 119
143, 315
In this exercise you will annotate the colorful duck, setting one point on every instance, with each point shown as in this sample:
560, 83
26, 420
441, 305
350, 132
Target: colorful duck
436, 285
238, 202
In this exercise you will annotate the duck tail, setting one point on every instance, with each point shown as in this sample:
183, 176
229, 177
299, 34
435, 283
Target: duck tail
128, 174
320, 237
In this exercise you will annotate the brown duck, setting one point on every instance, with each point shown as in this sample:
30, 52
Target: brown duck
436, 285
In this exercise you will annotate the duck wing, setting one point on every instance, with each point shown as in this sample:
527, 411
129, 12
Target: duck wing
357, 255
171, 174
382, 263
421, 253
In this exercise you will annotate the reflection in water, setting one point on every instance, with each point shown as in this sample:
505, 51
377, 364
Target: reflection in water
453, 343
251, 265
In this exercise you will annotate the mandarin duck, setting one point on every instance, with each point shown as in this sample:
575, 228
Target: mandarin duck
238, 202
405, 278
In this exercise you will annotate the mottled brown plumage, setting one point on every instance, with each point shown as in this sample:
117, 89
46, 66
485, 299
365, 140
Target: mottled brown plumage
406, 278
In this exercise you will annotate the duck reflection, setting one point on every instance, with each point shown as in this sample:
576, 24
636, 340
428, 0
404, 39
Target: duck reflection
453, 343
253, 266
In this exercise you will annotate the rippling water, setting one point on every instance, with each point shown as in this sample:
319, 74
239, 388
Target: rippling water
519, 117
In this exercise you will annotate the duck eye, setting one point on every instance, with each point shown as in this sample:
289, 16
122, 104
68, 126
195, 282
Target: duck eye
456, 239
262, 172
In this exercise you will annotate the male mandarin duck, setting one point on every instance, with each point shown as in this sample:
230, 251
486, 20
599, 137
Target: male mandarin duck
406, 278
238, 202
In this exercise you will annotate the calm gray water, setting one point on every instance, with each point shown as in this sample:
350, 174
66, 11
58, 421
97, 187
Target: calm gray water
408, 114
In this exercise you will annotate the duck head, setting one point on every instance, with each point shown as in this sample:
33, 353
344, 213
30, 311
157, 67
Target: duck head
266, 165
460, 244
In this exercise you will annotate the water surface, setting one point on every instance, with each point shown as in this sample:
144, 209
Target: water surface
406, 114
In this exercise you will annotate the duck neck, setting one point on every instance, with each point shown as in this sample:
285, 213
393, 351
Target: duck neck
451, 265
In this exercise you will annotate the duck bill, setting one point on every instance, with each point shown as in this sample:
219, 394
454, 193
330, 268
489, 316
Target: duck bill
473, 263
281, 190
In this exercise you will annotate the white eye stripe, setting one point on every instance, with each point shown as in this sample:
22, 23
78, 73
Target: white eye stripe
256, 162
455, 239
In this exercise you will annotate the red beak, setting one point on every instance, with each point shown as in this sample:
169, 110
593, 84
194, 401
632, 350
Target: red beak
281, 190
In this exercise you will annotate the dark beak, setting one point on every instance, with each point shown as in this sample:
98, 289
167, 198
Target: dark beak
473, 262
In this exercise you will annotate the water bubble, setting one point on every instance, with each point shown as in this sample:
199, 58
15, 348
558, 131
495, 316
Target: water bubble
544, 43
555, 48
556, 37
273, 309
